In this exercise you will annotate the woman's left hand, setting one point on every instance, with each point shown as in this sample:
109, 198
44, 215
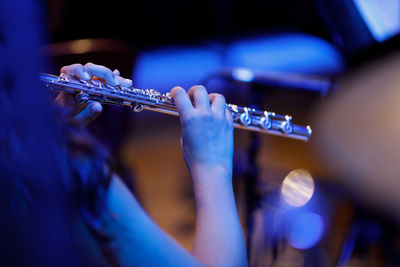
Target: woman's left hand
85, 113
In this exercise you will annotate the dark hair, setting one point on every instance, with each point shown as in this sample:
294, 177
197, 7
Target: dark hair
59, 177
51, 170
90, 167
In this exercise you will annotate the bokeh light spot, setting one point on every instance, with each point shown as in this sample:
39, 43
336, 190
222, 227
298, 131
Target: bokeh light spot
306, 230
81, 46
297, 188
242, 74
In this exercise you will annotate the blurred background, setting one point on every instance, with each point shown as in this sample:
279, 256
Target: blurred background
330, 202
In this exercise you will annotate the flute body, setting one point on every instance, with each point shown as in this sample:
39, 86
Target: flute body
137, 99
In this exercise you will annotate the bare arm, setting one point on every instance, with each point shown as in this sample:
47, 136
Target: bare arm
137, 239
207, 144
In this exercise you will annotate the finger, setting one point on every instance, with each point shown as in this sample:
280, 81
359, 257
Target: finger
218, 104
66, 100
182, 101
89, 113
229, 117
116, 72
76, 70
102, 72
200, 97
124, 82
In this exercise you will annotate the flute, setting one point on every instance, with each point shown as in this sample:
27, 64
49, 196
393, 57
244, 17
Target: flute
96, 89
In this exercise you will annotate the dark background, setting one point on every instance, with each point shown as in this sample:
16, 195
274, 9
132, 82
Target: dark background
155, 22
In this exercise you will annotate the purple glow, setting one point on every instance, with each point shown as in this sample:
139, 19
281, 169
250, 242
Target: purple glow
305, 230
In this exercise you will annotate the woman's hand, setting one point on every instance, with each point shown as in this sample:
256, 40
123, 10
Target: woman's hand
85, 113
207, 144
207, 131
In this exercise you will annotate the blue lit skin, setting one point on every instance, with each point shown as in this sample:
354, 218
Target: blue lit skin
88, 112
219, 241
218, 238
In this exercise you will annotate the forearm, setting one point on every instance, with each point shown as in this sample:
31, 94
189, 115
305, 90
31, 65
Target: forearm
218, 239
136, 240
207, 145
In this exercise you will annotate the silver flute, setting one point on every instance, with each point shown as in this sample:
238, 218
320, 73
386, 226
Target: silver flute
96, 89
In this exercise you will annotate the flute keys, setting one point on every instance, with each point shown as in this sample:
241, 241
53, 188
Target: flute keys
245, 118
265, 121
155, 95
309, 131
63, 77
98, 81
287, 126
82, 97
137, 107
154, 92
127, 103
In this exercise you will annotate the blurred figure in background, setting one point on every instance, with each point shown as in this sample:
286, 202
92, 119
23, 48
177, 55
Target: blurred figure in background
61, 202
50, 166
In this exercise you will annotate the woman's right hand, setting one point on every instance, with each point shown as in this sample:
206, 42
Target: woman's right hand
85, 113
207, 131
207, 144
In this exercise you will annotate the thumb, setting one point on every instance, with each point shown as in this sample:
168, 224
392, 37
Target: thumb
89, 113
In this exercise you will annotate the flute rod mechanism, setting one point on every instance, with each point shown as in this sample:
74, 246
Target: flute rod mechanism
150, 99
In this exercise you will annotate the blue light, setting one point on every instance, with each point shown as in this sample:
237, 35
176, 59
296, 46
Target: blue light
165, 68
289, 52
242, 74
305, 230
381, 16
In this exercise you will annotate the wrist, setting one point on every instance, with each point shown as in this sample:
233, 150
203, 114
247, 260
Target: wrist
204, 173
211, 183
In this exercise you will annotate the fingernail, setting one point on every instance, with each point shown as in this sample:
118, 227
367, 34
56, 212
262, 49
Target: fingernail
96, 108
129, 81
86, 75
177, 87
